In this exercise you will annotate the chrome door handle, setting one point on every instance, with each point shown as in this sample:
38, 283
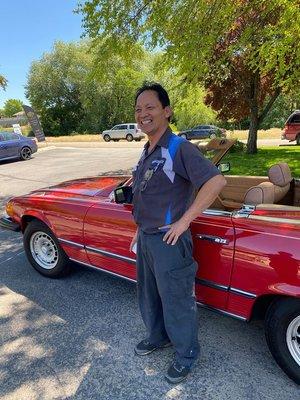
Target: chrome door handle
213, 239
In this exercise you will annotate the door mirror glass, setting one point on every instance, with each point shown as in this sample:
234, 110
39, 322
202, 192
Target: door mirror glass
224, 167
123, 195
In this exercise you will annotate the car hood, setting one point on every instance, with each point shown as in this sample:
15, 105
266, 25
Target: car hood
101, 185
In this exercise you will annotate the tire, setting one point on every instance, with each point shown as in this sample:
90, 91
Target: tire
212, 136
282, 330
44, 251
129, 137
106, 138
298, 139
183, 135
25, 153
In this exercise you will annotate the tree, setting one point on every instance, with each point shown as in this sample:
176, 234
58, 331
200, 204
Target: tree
75, 88
53, 87
3, 82
213, 42
248, 85
12, 106
190, 110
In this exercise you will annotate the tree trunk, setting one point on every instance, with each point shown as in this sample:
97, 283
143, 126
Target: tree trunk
254, 121
252, 135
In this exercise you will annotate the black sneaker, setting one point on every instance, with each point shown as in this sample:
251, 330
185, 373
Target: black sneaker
177, 372
145, 347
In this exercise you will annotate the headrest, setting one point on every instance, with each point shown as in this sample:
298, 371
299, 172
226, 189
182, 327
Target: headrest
262, 193
280, 174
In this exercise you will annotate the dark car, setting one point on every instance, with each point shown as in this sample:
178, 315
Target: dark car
291, 129
203, 132
13, 145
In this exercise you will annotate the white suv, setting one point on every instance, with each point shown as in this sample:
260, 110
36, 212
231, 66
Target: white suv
129, 132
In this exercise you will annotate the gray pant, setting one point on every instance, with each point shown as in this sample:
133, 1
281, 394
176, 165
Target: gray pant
166, 276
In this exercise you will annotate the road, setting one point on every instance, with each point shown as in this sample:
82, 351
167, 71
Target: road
73, 338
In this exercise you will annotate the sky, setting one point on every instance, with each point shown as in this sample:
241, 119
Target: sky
29, 28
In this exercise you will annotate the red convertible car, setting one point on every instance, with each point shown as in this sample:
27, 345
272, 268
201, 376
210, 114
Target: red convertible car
247, 244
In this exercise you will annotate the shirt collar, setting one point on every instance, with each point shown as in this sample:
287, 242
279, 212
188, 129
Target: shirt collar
163, 141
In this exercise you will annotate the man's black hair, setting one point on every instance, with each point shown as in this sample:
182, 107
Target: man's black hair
156, 87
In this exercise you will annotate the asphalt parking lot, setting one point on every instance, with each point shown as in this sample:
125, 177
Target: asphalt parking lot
73, 338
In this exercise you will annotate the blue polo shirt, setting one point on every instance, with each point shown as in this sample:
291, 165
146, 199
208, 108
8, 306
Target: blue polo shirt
165, 181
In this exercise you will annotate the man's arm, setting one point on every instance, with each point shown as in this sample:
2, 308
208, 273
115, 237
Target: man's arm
206, 195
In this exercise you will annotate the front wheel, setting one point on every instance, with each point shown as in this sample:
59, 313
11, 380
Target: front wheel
25, 153
212, 136
282, 329
106, 138
44, 251
129, 137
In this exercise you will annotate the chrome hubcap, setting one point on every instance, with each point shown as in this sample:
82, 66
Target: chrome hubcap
44, 250
293, 339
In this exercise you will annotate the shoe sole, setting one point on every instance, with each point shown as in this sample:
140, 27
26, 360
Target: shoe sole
175, 380
143, 353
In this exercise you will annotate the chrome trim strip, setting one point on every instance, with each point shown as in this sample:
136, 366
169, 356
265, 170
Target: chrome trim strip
243, 293
219, 311
219, 213
103, 270
71, 243
275, 219
211, 284
134, 281
112, 255
225, 288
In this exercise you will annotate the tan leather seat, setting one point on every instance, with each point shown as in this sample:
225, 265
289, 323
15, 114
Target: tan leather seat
280, 175
273, 191
269, 192
260, 194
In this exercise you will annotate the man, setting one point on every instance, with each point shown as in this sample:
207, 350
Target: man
164, 205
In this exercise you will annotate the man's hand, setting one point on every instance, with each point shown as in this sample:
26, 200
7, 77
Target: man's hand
134, 240
204, 198
175, 231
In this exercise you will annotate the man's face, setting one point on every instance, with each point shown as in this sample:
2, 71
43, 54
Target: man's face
150, 115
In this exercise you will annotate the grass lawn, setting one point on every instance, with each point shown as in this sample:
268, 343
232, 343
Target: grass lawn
258, 164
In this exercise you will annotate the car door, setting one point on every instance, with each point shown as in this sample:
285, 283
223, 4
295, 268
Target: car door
9, 145
13, 144
123, 131
2, 148
108, 231
200, 132
115, 132
213, 238
132, 130
294, 127
109, 228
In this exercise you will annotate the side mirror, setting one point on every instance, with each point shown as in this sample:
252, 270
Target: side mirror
123, 195
224, 167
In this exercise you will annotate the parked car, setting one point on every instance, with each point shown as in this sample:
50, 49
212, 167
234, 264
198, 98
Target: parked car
203, 132
13, 145
246, 243
291, 130
129, 132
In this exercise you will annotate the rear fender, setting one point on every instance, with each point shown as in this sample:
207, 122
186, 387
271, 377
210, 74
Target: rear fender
284, 289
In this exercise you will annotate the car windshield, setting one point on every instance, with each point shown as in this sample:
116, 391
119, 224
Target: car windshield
215, 149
